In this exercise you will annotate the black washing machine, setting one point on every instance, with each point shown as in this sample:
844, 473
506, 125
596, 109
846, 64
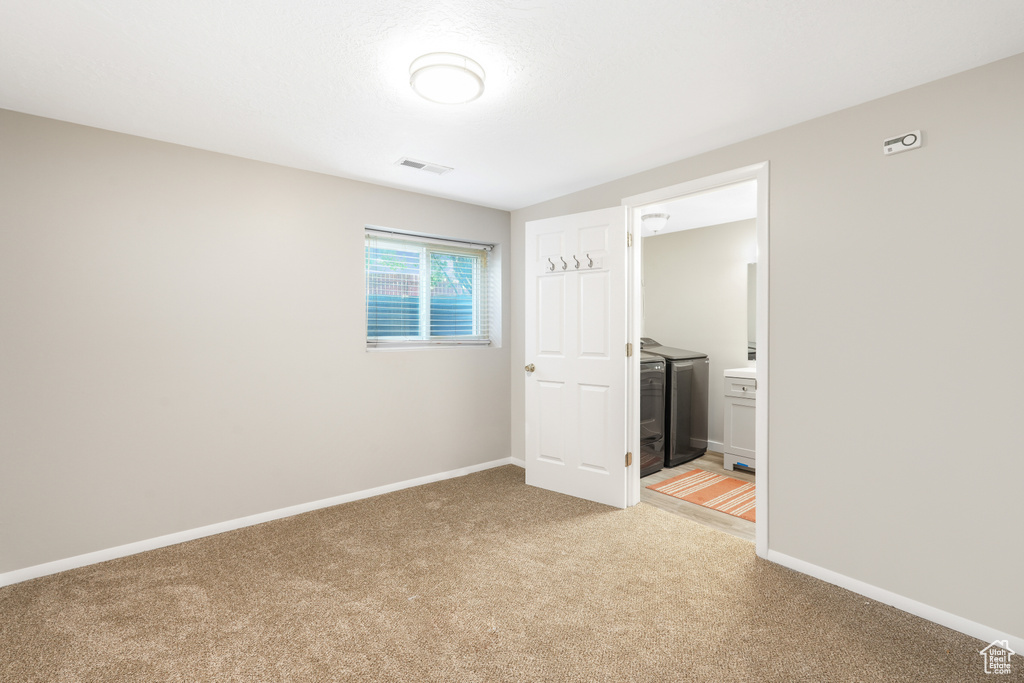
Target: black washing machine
686, 401
652, 413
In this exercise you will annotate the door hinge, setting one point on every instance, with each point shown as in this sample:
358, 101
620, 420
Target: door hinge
629, 349
629, 459
629, 239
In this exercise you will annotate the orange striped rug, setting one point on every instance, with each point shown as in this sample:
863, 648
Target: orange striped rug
715, 491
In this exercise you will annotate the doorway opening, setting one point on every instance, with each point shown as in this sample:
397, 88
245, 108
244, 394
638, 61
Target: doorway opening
726, 200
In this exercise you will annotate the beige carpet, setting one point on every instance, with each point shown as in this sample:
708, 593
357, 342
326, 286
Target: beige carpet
473, 579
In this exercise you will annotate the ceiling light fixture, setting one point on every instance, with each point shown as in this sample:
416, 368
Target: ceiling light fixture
446, 78
654, 221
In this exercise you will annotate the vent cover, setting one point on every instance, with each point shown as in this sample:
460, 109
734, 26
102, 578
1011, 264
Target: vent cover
436, 169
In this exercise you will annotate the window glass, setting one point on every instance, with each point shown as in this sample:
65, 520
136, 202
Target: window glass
424, 292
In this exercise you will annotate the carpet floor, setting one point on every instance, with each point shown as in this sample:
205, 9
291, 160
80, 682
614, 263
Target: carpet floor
479, 578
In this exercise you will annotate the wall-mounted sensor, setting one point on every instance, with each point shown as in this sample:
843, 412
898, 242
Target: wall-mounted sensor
902, 143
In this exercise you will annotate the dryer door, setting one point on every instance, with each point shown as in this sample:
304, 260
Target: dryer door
652, 404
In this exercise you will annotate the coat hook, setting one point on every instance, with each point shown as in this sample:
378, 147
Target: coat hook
564, 264
552, 264
591, 264
577, 261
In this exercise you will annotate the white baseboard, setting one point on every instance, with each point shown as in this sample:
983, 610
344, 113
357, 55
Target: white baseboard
716, 446
19, 575
957, 623
518, 462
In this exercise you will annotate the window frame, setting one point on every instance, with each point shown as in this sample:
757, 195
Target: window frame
427, 246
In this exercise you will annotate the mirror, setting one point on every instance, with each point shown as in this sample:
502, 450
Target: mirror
751, 311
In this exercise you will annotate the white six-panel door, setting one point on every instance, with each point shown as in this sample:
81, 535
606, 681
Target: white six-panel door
576, 355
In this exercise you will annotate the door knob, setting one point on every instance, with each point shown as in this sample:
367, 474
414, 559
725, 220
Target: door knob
530, 367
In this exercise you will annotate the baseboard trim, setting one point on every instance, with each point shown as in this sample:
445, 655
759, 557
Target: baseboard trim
45, 569
518, 462
933, 614
716, 446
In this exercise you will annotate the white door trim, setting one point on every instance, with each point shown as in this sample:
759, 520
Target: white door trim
634, 204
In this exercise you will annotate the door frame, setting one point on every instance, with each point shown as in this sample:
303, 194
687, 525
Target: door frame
635, 205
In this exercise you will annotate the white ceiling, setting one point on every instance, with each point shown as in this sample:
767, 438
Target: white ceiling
725, 204
578, 92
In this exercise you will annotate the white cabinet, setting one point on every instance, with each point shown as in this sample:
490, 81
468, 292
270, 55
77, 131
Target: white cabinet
740, 406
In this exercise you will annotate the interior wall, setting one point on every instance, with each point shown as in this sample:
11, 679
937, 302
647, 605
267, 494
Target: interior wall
183, 342
895, 331
695, 297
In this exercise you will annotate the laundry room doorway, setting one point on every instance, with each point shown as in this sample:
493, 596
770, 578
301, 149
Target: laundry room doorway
730, 202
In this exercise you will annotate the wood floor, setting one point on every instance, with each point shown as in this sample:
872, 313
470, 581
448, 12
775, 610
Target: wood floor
712, 462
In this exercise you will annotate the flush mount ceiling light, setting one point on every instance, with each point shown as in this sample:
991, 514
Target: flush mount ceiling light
446, 78
654, 221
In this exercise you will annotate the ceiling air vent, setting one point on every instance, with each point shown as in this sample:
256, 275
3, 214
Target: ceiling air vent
436, 169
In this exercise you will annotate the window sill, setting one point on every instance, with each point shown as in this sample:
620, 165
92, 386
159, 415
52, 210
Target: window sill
412, 345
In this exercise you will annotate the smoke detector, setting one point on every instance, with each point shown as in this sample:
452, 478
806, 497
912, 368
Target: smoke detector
436, 169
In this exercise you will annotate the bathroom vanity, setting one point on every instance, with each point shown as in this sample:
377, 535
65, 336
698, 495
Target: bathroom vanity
740, 409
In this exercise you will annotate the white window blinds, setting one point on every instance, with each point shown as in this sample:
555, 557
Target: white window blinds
423, 291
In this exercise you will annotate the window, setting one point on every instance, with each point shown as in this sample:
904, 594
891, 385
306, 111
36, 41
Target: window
424, 291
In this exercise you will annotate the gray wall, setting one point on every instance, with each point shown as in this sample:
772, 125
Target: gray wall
695, 297
182, 343
895, 332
